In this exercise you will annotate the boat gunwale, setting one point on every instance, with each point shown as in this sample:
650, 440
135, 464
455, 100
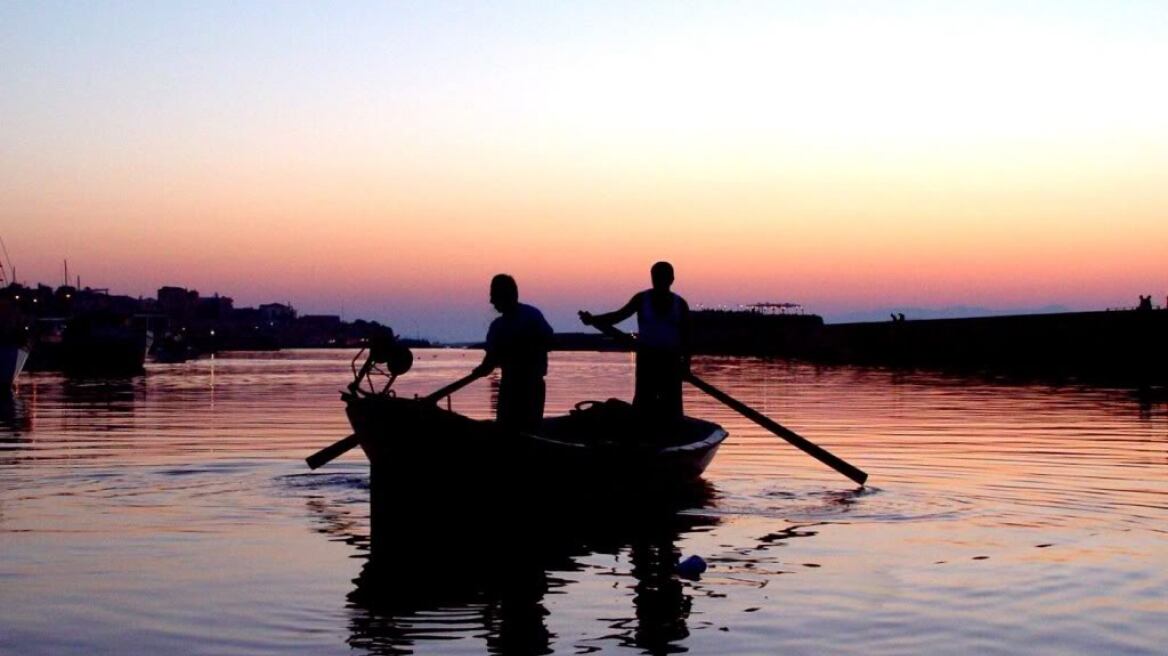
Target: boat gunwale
714, 436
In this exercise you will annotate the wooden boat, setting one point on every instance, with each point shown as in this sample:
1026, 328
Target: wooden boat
598, 443
425, 456
421, 454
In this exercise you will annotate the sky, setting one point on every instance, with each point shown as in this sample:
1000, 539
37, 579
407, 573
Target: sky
384, 160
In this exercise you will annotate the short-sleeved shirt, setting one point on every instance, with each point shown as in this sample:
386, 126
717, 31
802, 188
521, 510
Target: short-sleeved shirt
519, 341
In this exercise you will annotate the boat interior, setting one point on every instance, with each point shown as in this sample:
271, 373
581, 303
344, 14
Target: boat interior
618, 422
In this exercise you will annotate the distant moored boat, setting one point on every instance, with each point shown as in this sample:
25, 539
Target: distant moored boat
12, 359
91, 345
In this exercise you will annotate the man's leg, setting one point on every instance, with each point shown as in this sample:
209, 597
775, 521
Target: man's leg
505, 410
643, 391
671, 404
533, 408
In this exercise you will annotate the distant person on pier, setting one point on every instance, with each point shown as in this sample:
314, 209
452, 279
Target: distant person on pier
517, 343
662, 344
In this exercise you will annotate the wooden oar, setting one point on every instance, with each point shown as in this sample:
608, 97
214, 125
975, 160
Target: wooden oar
805, 445
332, 451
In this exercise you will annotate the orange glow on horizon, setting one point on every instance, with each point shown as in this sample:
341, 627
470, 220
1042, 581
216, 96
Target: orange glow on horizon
841, 160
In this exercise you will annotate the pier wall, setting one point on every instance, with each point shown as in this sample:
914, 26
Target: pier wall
1119, 346
755, 333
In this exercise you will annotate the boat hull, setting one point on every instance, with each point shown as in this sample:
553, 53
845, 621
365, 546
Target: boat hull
422, 456
105, 351
12, 360
435, 453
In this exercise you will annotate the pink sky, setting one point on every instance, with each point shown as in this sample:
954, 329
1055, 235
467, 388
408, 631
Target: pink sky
389, 161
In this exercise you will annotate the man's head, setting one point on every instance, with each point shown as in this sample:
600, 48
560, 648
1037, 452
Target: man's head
504, 292
662, 275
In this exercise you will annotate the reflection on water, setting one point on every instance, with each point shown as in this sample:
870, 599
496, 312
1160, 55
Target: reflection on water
172, 512
14, 418
112, 394
447, 571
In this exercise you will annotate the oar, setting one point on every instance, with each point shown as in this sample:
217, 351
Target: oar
805, 445
332, 451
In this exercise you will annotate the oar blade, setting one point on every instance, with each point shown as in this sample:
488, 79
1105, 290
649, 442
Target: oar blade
331, 452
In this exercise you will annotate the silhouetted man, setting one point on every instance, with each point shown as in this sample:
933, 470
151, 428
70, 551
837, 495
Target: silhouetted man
517, 343
662, 344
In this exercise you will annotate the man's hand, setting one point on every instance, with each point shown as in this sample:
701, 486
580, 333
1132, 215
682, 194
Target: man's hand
585, 317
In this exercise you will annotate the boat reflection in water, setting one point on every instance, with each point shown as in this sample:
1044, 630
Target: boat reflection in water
15, 419
113, 395
485, 571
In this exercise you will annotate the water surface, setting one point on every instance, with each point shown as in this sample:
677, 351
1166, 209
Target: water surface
173, 511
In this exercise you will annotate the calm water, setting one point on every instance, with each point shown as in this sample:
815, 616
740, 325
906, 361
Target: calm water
172, 512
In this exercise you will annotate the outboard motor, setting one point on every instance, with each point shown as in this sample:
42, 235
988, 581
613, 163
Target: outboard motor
386, 357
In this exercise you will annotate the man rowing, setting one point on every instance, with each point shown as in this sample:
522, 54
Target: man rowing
662, 344
517, 343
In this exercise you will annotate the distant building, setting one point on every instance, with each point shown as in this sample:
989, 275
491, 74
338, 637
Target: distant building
320, 321
315, 330
277, 313
89, 300
215, 308
177, 302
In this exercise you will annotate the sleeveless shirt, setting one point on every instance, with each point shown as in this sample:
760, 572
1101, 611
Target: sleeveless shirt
659, 330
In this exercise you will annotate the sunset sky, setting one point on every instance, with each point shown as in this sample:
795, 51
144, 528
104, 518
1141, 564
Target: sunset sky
385, 159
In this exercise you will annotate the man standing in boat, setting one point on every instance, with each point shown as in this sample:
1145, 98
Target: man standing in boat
517, 343
662, 344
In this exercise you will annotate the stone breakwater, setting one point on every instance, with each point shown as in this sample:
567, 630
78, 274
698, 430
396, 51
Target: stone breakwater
1123, 347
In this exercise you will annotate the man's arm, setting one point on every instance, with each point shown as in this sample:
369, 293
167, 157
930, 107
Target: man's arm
491, 357
486, 366
615, 317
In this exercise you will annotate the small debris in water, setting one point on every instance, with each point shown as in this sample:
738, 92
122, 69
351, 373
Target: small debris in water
692, 567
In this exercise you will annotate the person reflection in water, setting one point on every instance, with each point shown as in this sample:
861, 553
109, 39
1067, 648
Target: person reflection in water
662, 606
517, 343
662, 344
